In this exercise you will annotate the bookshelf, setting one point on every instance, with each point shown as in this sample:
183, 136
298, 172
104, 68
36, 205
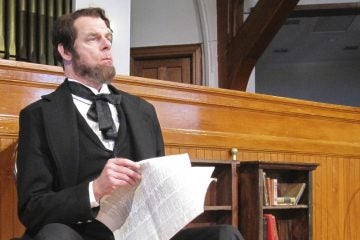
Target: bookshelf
293, 221
221, 201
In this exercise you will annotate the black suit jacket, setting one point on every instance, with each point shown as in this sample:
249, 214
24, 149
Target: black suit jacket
48, 157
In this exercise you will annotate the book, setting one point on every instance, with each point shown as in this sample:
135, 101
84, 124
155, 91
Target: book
291, 190
265, 191
269, 191
271, 232
274, 185
271, 187
285, 200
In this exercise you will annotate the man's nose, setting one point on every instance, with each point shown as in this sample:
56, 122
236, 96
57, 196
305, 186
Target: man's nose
106, 43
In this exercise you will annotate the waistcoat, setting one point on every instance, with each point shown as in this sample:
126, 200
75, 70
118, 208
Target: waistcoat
93, 154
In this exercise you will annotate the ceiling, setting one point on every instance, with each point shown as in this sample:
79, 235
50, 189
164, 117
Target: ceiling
315, 39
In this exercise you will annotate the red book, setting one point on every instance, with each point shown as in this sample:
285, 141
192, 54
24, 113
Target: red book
272, 233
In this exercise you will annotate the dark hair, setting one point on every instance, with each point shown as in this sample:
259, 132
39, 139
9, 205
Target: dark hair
65, 33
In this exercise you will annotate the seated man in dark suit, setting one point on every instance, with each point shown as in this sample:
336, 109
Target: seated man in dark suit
82, 141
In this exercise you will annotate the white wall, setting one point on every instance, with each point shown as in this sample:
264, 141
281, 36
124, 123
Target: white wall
174, 22
164, 22
208, 19
119, 14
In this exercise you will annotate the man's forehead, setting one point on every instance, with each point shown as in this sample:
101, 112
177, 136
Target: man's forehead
91, 25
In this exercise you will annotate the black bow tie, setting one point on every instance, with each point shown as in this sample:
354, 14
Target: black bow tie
99, 110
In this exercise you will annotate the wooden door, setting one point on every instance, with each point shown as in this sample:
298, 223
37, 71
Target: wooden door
180, 63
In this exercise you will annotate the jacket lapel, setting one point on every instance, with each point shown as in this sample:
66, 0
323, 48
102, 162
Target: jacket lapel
142, 139
61, 129
138, 122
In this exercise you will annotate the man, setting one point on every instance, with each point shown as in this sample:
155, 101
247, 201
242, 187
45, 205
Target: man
82, 141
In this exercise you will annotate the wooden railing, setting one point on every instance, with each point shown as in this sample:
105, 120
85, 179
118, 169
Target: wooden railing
207, 123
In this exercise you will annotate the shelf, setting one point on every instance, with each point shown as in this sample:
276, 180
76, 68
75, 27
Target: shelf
218, 208
291, 221
279, 207
221, 200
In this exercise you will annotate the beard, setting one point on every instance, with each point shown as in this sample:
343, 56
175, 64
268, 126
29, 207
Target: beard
98, 73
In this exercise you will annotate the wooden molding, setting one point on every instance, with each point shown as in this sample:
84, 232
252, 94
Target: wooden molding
208, 117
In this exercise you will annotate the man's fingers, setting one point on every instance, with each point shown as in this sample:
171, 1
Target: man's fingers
126, 175
126, 163
123, 182
124, 169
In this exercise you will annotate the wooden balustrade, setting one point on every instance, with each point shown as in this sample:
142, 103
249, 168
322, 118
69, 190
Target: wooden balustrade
207, 123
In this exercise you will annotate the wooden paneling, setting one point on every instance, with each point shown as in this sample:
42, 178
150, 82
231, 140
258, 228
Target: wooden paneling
207, 123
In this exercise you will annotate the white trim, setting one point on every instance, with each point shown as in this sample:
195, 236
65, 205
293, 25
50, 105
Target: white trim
208, 22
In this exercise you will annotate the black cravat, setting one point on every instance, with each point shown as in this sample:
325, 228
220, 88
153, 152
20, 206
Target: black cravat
99, 110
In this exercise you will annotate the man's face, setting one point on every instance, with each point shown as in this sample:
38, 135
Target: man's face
92, 57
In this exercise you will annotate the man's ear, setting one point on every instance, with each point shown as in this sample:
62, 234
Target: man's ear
66, 55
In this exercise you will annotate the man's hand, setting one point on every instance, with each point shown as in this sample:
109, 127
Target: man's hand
117, 172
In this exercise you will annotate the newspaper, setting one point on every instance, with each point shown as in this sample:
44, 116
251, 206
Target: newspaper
171, 194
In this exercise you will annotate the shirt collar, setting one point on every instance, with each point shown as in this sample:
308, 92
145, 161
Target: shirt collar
104, 88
